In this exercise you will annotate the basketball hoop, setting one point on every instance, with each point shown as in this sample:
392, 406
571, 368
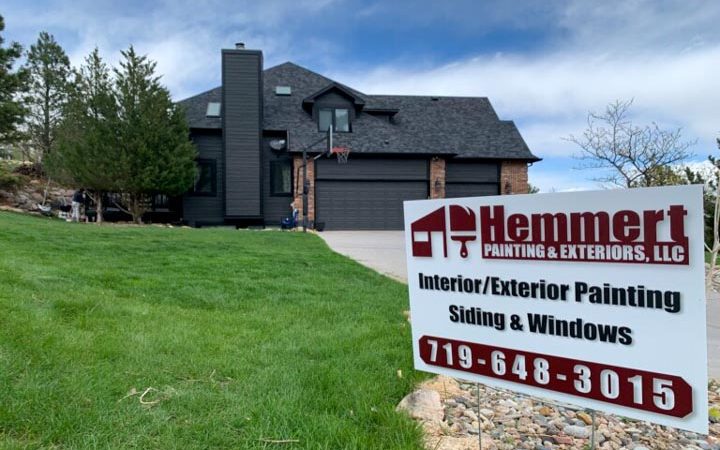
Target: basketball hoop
341, 153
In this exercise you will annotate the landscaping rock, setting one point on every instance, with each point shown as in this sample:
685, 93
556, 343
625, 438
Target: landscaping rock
423, 404
511, 421
576, 431
32, 192
585, 417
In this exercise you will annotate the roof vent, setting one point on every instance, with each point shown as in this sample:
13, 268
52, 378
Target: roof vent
240, 45
434, 98
283, 90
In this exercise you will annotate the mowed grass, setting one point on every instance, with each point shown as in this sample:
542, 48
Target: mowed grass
244, 337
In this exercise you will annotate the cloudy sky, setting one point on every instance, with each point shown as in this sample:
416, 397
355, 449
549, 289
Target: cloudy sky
544, 64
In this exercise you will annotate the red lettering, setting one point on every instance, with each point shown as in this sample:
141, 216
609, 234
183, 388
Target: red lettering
626, 226
549, 227
518, 227
677, 215
650, 221
492, 226
590, 227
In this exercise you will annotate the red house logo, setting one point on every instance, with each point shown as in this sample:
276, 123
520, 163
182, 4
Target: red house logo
463, 229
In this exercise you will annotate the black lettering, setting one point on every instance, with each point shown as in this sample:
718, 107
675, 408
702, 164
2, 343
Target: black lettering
453, 313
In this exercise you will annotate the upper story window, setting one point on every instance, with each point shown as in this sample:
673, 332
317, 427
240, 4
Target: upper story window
213, 109
339, 118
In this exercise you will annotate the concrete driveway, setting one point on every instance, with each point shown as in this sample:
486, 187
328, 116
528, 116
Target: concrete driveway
384, 251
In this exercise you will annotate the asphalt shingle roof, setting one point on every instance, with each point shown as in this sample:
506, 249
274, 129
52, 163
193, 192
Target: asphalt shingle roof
466, 127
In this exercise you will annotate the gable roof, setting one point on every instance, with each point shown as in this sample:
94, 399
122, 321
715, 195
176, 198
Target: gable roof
464, 127
358, 101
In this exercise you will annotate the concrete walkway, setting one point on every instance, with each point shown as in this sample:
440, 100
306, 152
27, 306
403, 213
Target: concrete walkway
384, 251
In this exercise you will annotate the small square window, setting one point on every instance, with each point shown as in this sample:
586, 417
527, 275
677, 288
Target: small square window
213, 109
205, 178
283, 90
281, 177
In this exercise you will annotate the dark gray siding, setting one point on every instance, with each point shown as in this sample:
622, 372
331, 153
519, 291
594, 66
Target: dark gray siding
206, 210
471, 178
367, 193
275, 206
242, 122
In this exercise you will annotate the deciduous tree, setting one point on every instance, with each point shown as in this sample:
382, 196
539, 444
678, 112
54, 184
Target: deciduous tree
629, 155
712, 212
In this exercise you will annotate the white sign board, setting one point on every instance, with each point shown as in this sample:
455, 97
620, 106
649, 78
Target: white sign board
592, 298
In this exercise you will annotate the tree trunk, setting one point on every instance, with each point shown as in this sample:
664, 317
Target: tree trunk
99, 209
716, 237
97, 198
136, 208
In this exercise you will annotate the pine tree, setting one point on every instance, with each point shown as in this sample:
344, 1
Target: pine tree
48, 89
12, 83
87, 148
156, 154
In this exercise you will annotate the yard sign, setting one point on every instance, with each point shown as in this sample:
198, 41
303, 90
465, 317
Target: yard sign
591, 298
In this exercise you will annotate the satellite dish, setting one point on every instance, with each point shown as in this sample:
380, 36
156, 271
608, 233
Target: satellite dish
277, 144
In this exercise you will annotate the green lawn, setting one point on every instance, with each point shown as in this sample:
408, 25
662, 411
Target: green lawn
244, 336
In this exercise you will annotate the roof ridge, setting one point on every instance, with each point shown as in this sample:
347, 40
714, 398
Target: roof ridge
198, 95
430, 96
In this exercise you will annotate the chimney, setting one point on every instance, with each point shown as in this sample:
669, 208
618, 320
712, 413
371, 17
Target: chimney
242, 117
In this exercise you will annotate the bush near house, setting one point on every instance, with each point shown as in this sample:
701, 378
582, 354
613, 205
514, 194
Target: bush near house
9, 181
235, 338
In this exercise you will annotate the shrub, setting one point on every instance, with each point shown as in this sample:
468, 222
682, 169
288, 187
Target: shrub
34, 170
9, 181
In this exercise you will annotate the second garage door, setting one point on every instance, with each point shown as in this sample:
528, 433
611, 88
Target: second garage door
465, 178
367, 194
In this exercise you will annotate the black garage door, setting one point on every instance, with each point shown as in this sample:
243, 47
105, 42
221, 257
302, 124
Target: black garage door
367, 194
471, 178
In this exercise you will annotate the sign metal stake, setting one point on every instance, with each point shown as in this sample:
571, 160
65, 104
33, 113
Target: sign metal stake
592, 432
477, 387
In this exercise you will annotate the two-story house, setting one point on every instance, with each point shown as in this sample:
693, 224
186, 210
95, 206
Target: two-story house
250, 133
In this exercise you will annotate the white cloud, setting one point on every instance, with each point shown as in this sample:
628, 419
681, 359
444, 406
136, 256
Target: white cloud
663, 53
553, 93
552, 180
183, 36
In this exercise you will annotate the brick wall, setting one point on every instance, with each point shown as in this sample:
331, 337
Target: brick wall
297, 188
513, 177
437, 178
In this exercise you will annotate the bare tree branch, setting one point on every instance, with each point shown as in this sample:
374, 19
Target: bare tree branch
628, 155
